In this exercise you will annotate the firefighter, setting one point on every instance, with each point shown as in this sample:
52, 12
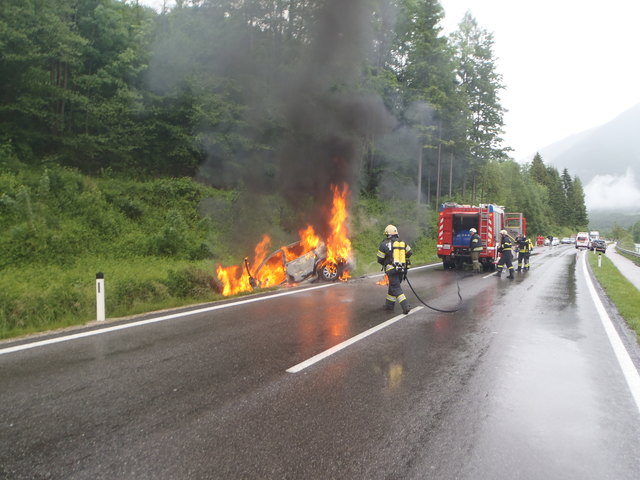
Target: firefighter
525, 247
475, 245
505, 249
393, 255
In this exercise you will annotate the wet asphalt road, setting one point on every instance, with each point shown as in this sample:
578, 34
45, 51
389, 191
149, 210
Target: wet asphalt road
521, 383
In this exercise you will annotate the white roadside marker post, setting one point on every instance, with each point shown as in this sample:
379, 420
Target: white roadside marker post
100, 307
599, 260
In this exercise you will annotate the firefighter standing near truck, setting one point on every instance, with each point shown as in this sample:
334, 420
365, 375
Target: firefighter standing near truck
393, 255
506, 253
525, 247
475, 245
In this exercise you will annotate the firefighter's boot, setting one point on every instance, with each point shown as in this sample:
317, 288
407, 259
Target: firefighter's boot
511, 274
499, 274
519, 268
406, 308
388, 307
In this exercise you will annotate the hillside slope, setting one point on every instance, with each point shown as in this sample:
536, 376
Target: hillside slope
609, 149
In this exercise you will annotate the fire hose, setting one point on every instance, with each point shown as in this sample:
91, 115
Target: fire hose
434, 308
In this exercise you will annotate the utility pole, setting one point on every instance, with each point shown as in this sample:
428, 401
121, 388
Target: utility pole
419, 172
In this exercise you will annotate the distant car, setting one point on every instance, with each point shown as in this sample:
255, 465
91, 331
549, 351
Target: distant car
566, 240
599, 246
582, 240
555, 241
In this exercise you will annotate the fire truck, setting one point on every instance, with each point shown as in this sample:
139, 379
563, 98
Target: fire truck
488, 219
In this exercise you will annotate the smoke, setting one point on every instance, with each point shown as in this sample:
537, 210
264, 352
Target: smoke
613, 192
304, 119
327, 116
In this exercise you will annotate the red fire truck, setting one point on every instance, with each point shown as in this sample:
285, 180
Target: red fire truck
488, 219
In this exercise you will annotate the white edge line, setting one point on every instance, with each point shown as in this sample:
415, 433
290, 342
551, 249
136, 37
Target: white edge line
624, 360
336, 348
75, 336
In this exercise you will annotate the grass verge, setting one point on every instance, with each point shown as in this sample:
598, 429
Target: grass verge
622, 293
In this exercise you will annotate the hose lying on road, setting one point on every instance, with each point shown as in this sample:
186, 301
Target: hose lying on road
434, 308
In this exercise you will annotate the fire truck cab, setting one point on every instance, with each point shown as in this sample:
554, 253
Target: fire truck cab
488, 219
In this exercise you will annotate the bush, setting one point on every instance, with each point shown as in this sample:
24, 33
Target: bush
130, 291
190, 282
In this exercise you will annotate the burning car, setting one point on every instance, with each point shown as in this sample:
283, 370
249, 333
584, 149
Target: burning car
310, 257
298, 265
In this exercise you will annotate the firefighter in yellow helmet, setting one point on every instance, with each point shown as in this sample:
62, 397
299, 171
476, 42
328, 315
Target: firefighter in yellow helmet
506, 253
475, 245
525, 247
393, 255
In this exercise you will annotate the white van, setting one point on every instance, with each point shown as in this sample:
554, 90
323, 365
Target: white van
582, 240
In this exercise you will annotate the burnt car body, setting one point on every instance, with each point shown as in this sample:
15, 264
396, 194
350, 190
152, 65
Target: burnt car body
298, 265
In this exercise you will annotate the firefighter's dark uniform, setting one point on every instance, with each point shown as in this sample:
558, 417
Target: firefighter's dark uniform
506, 257
475, 245
525, 246
394, 272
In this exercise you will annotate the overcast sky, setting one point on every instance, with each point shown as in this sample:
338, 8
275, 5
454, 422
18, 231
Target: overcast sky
567, 65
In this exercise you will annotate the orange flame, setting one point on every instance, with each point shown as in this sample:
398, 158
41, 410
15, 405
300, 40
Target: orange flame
338, 243
384, 281
235, 279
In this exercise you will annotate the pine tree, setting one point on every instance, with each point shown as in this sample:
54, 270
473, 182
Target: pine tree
538, 170
480, 83
577, 206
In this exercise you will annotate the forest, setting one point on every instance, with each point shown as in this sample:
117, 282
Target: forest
160, 143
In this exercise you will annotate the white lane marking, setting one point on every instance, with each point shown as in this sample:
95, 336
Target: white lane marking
90, 333
315, 359
624, 360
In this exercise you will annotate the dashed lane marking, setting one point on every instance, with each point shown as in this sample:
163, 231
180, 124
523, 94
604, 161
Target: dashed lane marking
315, 359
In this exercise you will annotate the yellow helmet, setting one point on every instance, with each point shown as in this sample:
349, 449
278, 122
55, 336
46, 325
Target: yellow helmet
391, 230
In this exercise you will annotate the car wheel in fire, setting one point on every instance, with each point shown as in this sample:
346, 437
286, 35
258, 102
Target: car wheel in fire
329, 272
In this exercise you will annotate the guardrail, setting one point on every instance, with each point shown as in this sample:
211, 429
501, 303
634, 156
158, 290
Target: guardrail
628, 252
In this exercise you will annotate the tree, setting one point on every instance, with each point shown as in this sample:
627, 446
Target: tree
481, 84
579, 218
538, 170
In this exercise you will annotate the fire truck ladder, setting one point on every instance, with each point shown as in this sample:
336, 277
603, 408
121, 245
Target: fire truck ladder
483, 227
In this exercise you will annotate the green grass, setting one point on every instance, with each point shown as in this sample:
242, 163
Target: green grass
157, 242
622, 293
40, 298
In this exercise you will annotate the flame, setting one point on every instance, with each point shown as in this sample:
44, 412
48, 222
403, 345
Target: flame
338, 243
384, 281
236, 279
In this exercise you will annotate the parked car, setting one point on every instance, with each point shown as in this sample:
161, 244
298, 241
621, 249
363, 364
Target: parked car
599, 246
566, 240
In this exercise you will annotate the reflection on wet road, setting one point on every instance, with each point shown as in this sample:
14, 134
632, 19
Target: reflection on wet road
521, 382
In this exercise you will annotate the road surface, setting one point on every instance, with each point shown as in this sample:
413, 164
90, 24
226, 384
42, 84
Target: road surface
522, 382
